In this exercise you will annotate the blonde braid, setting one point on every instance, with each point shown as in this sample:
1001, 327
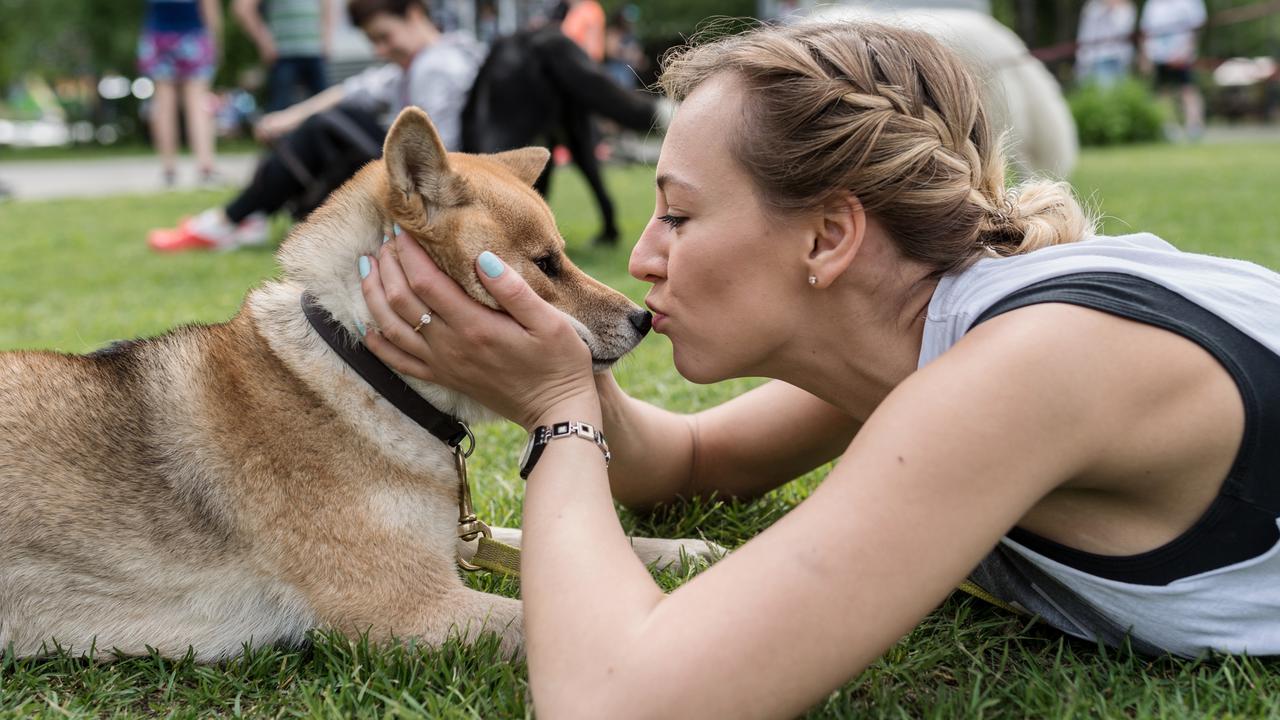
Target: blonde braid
889, 115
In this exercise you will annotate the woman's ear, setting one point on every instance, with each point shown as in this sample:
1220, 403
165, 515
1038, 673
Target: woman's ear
842, 227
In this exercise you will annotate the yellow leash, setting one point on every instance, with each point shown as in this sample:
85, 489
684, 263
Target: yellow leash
491, 555
972, 588
502, 558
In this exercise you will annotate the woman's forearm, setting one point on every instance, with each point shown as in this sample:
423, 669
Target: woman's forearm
652, 448
585, 593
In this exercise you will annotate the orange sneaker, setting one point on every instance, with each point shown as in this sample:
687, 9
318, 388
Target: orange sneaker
207, 231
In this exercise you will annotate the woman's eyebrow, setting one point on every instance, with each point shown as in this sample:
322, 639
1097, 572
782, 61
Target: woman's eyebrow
665, 179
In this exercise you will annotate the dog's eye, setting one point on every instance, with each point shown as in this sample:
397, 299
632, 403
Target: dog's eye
549, 265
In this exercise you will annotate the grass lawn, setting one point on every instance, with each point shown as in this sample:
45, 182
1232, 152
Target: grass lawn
75, 275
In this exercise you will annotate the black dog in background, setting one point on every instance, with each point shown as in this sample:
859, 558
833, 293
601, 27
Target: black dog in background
535, 87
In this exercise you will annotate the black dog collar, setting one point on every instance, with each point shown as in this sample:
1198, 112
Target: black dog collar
384, 381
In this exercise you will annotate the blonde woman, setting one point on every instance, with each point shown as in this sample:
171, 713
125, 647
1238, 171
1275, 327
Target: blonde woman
1083, 425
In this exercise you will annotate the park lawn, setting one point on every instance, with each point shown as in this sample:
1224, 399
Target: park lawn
75, 275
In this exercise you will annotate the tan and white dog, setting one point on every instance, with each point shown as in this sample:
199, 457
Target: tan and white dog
239, 483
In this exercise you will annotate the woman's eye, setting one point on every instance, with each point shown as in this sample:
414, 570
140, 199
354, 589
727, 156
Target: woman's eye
548, 265
674, 221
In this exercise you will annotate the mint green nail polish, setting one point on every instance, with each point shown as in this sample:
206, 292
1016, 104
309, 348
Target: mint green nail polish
364, 266
395, 228
385, 238
360, 327
490, 264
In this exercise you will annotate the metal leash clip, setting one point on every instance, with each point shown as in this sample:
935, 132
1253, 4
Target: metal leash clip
469, 526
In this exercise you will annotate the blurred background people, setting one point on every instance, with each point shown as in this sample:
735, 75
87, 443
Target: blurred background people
624, 56
1105, 41
335, 132
1169, 49
584, 24
178, 50
292, 37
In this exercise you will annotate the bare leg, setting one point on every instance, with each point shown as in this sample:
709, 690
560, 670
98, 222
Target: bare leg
1193, 111
164, 125
195, 97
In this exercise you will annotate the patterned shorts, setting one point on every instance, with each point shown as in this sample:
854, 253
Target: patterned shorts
176, 56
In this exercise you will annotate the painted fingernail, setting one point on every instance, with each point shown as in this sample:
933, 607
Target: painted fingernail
395, 228
364, 266
385, 238
360, 327
490, 264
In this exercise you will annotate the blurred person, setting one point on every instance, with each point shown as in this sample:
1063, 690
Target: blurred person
527, 82
425, 67
623, 55
1105, 41
584, 23
1169, 37
178, 50
292, 37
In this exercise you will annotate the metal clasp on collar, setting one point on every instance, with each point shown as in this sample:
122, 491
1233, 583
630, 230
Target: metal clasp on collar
469, 526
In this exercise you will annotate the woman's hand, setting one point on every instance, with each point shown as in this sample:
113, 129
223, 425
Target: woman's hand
523, 364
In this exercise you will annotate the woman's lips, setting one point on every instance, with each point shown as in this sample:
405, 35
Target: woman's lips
658, 321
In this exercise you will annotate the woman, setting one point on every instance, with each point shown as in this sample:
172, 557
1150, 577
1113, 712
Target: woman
831, 212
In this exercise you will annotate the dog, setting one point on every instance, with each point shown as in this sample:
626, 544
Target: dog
1024, 99
238, 484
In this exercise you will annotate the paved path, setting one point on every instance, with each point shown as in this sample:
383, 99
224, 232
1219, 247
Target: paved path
100, 177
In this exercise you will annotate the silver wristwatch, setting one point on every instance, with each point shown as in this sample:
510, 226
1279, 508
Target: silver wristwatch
544, 434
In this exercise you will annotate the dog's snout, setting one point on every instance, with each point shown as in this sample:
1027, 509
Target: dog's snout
641, 320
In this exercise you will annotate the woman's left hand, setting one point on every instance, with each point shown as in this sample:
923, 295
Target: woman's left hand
520, 364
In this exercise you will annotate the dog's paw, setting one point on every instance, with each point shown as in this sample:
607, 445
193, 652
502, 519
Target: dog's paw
683, 554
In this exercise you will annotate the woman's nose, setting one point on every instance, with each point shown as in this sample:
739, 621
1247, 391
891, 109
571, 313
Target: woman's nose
648, 261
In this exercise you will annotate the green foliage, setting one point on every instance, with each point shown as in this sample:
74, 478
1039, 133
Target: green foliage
76, 274
1126, 112
668, 21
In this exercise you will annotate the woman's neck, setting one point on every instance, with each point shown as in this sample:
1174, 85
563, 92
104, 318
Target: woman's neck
865, 335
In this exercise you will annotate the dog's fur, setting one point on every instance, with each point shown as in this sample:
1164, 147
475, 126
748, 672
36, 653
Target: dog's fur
238, 483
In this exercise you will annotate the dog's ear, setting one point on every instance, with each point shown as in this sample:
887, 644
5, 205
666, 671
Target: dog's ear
526, 163
417, 163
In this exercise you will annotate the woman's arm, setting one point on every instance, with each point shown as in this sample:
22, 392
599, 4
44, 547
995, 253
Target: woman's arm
742, 448
948, 462
211, 13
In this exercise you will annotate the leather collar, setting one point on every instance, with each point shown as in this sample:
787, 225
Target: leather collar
383, 379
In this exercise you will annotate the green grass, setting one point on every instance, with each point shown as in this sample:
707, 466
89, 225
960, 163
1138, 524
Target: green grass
75, 275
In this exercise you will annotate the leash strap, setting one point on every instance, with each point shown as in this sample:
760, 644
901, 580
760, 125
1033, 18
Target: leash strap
972, 588
497, 557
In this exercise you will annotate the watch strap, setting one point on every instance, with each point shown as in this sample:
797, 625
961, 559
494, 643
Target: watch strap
544, 434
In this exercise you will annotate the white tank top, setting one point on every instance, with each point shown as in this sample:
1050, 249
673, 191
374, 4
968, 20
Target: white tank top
1234, 608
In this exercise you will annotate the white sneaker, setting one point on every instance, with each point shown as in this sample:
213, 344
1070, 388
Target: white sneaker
252, 230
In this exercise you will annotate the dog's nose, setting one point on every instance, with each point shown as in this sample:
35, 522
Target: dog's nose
641, 320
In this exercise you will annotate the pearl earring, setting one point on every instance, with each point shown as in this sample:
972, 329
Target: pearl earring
813, 279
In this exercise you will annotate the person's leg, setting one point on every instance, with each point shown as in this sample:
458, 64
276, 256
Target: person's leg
312, 75
281, 80
199, 116
1193, 110
164, 127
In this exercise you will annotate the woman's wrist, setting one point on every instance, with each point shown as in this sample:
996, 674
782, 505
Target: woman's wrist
583, 407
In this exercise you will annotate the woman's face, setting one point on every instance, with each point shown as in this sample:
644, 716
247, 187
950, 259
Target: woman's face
724, 275
398, 39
